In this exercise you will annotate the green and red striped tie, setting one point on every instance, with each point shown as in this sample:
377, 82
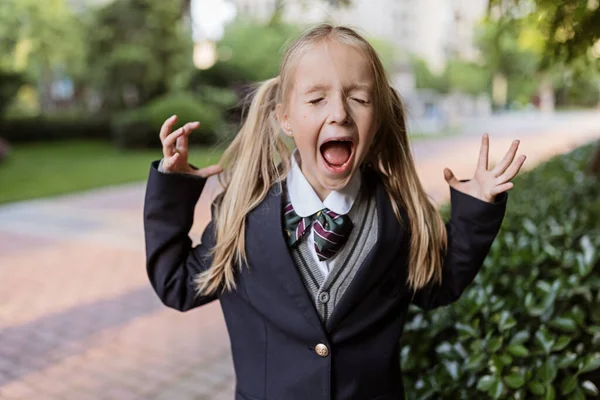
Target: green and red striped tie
331, 230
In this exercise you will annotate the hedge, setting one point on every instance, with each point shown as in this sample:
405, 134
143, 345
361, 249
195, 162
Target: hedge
137, 128
529, 325
20, 130
140, 128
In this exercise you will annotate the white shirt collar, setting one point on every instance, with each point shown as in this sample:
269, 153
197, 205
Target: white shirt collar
305, 200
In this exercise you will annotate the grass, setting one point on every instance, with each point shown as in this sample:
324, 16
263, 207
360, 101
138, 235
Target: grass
48, 169
53, 168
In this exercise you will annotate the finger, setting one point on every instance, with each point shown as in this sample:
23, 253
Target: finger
501, 188
508, 158
171, 161
209, 171
450, 178
169, 142
482, 164
512, 171
167, 126
182, 141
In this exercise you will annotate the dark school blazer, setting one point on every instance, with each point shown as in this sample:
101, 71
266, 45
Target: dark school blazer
280, 348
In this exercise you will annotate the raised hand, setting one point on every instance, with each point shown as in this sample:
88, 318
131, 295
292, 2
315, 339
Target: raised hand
487, 184
175, 149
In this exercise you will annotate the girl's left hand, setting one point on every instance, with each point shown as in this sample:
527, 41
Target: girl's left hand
486, 185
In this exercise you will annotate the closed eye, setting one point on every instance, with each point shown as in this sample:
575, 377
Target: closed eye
361, 101
316, 101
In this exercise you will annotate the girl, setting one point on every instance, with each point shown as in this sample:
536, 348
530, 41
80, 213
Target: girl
315, 255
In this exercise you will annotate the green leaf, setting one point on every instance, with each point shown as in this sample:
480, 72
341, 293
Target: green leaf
518, 350
561, 343
529, 301
565, 361
494, 344
544, 339
466, 330
593, 329
551, 250
547, 371
520, 337
590, 363
530, 226
577, 395
444, 349
475, 361
550, 393
515, 380
506, 322
545, 286
499, 361
564, 324
452, 368
589, 250
577, 314
590, 388
486, 382
568, 384
497, 389
506, 359
583, 268
536, 388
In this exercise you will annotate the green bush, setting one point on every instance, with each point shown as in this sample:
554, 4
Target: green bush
237, 65
140, 128
529, 326
48, 128
249, 51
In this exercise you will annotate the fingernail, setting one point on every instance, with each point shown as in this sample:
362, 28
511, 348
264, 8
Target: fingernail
173, 116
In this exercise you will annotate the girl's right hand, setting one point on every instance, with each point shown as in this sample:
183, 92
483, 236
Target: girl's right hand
175, 149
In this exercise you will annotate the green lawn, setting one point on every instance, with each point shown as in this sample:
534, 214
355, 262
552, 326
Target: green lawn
53, 168
46, 169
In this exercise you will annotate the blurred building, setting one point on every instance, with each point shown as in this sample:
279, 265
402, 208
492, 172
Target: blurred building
432, 29
466, 14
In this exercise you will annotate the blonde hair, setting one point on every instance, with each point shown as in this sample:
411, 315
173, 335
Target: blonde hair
258, 158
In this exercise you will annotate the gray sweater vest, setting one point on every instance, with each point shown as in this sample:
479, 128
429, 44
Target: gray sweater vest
326, 292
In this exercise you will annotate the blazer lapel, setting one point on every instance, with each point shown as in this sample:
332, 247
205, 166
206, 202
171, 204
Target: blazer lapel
389, 238
267, 219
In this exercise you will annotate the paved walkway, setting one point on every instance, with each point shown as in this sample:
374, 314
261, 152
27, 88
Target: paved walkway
78, 319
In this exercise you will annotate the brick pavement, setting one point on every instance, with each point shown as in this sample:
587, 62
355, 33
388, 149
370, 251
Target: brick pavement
78, 319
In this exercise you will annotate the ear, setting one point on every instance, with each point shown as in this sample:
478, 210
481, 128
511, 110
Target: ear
282, 118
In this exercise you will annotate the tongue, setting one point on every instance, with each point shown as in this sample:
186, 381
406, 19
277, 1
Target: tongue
336, 153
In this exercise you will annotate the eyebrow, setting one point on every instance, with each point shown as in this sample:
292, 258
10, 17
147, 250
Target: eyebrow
322, 87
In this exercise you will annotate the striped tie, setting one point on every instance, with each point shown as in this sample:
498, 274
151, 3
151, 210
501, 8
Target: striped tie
331, 230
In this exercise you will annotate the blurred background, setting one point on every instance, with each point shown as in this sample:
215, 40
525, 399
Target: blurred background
86, 84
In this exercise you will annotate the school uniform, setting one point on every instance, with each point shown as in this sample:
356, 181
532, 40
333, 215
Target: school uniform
301, 328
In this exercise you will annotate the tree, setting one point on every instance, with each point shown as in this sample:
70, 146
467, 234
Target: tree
571, 29
37, 39
138, 50
511, 57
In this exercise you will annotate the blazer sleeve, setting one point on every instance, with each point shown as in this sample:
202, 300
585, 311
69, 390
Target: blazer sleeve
473, 226
171, 261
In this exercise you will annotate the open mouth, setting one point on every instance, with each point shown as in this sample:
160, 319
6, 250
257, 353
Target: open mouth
337, 154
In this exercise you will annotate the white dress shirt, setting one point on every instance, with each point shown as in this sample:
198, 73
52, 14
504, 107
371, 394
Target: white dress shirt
306, 202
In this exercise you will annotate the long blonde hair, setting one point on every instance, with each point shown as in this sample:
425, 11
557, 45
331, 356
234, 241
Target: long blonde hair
258, 158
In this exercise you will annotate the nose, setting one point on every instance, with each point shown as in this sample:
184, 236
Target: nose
339, 113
